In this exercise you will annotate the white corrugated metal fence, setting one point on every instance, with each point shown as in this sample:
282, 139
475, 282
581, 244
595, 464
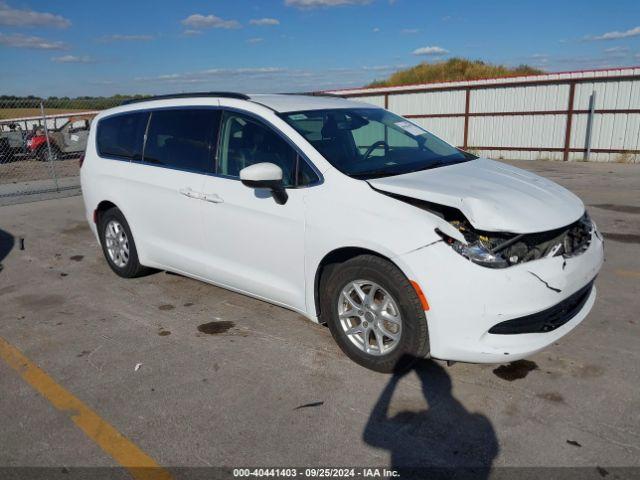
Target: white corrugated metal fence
527, 117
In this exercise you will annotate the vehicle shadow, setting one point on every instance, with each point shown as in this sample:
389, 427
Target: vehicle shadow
443, 441
7, 241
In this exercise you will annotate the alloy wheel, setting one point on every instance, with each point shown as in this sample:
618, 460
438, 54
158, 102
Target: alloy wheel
370, 317
117, 243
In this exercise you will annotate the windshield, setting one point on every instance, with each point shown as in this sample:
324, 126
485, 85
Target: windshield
372, 142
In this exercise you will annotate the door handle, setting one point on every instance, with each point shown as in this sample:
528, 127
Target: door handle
188, 192
212, 198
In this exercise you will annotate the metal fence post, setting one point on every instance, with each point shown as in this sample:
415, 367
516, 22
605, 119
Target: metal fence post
567, 134
50, 155
465, 135
592, 107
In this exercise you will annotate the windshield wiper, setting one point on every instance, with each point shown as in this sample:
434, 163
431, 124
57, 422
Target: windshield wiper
441, 163
373, 174
436, 164
389, 173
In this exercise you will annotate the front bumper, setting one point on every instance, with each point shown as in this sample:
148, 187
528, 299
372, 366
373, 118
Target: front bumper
466, 300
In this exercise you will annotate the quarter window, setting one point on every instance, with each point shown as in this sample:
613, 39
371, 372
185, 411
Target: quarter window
304, 173
122, 135
245, 141
182, 138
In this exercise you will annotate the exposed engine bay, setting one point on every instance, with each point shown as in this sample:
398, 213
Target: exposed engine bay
568, 241
502, 249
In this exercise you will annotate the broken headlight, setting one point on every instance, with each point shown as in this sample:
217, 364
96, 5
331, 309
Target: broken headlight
478, 248
500, 249
478, 253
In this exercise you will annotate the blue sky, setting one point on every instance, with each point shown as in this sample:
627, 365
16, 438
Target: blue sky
141, 46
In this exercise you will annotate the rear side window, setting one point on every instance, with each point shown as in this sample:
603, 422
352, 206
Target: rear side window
122, 136
183, 139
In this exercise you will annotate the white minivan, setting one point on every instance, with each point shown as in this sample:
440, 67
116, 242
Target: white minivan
355, 217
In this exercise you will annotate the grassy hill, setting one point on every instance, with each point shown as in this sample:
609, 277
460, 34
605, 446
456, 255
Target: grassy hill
451, 70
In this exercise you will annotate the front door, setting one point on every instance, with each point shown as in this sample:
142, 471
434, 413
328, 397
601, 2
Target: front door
256, 245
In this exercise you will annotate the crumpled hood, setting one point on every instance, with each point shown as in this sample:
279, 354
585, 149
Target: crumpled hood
494, 197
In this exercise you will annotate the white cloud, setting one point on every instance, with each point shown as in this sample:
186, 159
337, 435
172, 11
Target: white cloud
382, 68
323, 3
539, 59
72, 59
213, 74
633, 32
197, 21
375, 30
261, 79
255, 40
14, 17
18, 40
126, 38
191, 33
264, 21
619, 54
410, 30
430, 51
616, 50
102, 82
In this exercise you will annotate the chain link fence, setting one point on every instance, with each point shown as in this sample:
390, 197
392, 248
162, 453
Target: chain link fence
41, 142
40, 146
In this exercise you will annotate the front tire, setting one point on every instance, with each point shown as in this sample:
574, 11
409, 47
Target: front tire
118, 245
374, 314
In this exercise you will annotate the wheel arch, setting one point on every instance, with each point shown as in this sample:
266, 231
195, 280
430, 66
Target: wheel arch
333, 258
102, 207
105, 205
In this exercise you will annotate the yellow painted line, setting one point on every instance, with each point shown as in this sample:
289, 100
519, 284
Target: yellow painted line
140, 465
627, 273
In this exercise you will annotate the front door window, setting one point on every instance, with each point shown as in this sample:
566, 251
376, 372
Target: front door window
245, 141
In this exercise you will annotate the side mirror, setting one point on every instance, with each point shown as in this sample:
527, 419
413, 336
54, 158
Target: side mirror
265, 175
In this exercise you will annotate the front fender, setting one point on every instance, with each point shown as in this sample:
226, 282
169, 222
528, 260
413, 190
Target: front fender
355, 216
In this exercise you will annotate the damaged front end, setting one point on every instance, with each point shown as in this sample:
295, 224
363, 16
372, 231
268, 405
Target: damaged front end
503, 249
500, 250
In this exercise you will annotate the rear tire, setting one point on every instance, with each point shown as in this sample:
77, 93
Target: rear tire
357, 318
118, 245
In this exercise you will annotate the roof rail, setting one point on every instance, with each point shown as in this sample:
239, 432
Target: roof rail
316, 94
326, 94
239, 96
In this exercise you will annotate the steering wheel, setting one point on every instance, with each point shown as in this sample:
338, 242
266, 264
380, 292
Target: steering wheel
379, 143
